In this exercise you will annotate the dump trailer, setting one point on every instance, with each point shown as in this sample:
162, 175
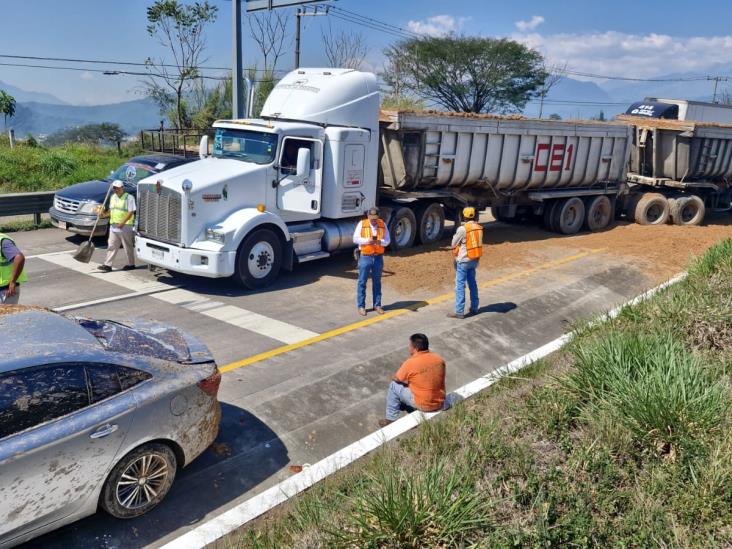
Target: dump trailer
679, 170
290, 186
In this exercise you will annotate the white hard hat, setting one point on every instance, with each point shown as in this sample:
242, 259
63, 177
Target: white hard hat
118, 184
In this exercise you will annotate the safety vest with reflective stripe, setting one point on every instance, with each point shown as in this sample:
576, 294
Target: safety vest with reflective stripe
6, 267
372, 249
118, 210
473, 241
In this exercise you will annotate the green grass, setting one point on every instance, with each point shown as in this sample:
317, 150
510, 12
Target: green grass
28, 225
622, 439
27, 169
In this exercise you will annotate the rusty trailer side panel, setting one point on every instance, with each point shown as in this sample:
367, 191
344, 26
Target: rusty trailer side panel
430, 151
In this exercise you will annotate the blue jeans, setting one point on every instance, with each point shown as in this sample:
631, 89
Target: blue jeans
465, 272
369, 265
398, 399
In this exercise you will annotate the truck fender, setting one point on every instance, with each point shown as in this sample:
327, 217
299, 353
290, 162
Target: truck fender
242, 222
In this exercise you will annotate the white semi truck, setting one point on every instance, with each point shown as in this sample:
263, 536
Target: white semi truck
290, 186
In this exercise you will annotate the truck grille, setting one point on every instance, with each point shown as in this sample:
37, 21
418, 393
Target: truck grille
159, 214
66, 205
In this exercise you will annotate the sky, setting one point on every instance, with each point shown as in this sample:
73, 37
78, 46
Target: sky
637, 38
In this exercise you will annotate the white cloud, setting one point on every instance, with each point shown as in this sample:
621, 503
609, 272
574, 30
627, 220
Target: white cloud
438, 25
531, 24
86, 75
631, 55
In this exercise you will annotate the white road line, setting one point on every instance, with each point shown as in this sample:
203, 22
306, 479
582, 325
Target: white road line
49, 254
102, 300
236, 316
234, 518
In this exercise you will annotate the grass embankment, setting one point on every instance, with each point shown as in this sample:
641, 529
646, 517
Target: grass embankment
621, 439
27, 169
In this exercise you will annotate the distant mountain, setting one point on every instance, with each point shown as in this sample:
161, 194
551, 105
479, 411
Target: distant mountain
22, 96
575, 99
41, 118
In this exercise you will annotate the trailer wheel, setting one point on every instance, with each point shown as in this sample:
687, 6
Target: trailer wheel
259, 259
599, 212
651, 209
498, 215
549, 207
569, 215
403, 228
431, 219
687, 210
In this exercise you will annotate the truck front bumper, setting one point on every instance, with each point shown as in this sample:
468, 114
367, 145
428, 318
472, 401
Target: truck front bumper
193, 261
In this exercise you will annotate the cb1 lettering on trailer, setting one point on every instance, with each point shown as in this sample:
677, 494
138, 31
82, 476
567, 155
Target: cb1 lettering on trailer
552, 157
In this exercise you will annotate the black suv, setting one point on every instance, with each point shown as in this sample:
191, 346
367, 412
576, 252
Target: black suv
75, 207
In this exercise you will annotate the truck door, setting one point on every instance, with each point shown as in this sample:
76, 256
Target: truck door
296, 193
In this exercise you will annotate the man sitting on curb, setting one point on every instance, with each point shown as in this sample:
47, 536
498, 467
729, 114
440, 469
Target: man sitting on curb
419, 384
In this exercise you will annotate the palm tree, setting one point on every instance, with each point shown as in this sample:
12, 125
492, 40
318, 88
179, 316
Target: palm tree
7, 106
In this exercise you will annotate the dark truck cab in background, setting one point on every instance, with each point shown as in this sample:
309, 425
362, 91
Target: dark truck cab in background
75, 207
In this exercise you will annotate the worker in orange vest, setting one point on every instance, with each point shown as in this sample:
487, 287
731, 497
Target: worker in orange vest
372, 237
467, 247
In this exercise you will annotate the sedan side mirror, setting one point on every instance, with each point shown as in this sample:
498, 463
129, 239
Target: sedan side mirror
303, 163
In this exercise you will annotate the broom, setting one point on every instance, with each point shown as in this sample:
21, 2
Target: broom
86, 249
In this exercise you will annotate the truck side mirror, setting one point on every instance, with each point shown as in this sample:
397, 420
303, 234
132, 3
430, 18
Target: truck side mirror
303, 163
203, 147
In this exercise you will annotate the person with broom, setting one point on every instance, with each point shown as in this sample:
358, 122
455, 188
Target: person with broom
121, 227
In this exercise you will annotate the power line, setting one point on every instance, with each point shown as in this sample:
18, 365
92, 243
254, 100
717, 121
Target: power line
353, 14
632, 79
107, 72
368, 25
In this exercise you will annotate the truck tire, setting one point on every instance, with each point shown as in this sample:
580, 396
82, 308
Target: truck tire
259, 259
498, 215
598, 212
403, 228
431, 223
687, 210
549, 207
569, 215
650, 209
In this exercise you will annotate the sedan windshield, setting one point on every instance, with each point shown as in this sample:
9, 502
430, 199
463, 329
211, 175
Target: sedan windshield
257, 147
132, 172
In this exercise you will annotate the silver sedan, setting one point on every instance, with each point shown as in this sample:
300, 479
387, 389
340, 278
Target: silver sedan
96, 414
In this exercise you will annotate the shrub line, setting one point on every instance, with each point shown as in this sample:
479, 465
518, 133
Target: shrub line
227, 522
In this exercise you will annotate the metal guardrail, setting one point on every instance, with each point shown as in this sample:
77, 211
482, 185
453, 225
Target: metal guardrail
182, 142
26, 203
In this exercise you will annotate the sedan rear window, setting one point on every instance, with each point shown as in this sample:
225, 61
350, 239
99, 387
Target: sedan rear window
165, 344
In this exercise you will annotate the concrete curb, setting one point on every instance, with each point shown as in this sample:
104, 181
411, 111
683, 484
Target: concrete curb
219, 526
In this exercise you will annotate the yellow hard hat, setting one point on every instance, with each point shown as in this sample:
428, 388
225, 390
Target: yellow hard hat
468, 213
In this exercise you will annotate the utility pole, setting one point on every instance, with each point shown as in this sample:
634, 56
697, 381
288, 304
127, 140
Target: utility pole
237, 92
303, 12
716, 83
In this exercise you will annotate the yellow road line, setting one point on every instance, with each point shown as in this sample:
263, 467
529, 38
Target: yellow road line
397, 312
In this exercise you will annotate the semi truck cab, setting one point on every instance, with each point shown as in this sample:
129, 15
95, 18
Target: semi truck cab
287, 187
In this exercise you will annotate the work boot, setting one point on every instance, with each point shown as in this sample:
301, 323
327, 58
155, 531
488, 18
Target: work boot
362, 311
385, 422
379, 310
129, 268
472, 312
104, 268
455, 315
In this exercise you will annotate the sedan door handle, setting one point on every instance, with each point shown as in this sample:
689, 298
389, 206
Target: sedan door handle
104, 431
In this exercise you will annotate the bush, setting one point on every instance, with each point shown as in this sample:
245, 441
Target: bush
651, 385
57, 164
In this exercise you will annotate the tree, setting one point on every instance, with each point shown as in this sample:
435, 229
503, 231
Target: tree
269, 31
553, 76
210, 104
180, 29
7, 106
104, 133
346, 50
466, 74
554, 116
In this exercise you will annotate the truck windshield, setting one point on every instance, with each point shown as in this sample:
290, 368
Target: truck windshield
257, 147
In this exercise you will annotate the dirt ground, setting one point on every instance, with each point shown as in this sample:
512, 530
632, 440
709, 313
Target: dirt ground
660, 251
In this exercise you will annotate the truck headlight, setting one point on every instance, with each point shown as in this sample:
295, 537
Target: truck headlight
216, 234
89, 208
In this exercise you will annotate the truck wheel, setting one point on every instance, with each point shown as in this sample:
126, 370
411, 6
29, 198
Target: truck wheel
403, 228
599, 212
687, 210
549, 207
431, 218
569, 215
259, 259
651, 209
